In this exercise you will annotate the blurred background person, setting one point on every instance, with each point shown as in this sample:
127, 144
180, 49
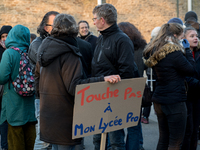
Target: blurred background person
151, 82
193, 98
33, 37
4, 126
85, 34
191, 19
134, 137
44, 30
3, 35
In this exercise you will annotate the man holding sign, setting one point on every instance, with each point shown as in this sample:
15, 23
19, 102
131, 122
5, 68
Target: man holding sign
59, 70
114, 54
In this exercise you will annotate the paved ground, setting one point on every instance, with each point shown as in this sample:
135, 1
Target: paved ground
150, 135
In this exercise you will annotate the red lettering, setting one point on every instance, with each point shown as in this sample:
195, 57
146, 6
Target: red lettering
108, 91
139, 94
88, 98
116, 92
127, 91
97, 98
132, 95
103, 96
83, 94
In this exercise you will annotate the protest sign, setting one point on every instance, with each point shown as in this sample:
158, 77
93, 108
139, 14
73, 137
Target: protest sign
103, 107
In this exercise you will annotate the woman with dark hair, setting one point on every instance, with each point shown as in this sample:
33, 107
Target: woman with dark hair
193, 98
58, 71
171, 63
134, 137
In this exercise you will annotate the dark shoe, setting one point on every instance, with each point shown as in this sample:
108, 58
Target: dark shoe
141, 148
145, 120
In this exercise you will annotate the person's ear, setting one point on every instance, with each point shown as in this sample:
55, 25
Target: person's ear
175, 35
46, 28
102, 20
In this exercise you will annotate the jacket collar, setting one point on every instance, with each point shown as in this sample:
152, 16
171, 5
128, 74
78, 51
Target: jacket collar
109, 31
168, 48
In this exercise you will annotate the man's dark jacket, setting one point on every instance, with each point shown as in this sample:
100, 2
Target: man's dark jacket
118, 49
85, 49
32, 53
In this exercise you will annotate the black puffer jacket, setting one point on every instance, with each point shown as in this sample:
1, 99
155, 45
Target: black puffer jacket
118, 49
194, 82
171, 67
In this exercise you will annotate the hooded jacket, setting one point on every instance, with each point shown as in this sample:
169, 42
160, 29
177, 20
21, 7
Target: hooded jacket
16, 109
170, 67
60, 72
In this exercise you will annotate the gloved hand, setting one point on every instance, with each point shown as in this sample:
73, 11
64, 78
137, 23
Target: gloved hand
185, 43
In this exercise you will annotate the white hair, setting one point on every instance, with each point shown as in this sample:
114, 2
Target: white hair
155, 31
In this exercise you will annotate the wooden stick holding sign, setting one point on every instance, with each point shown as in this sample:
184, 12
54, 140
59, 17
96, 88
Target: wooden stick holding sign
103, 141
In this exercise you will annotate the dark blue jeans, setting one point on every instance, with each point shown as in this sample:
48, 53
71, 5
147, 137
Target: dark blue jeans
172, 123
115, 141
4, 133
193, 122
134, 137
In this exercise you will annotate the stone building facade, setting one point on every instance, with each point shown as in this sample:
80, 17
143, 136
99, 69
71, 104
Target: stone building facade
144, 14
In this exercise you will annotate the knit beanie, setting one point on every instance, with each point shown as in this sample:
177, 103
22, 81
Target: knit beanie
176, 20
5, 29
191, 14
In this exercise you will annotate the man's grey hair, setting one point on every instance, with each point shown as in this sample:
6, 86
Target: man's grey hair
64, 25
107, 11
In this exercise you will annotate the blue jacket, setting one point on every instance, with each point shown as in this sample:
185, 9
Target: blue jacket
16, 109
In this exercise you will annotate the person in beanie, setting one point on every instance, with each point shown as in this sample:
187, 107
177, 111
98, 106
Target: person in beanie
3, 35
176, 20
191, 19
4, 126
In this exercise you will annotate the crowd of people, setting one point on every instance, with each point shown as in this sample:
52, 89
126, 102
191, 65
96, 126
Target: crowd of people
66, 54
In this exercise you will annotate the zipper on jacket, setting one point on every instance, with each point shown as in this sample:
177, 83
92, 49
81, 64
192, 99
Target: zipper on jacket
99, 56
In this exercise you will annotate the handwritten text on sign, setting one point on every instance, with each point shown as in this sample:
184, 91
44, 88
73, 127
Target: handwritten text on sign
103, 107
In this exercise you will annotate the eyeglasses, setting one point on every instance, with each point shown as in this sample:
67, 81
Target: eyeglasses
94, 19
49, 25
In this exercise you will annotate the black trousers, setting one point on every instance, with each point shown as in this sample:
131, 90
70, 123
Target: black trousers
172, 123
192, 127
